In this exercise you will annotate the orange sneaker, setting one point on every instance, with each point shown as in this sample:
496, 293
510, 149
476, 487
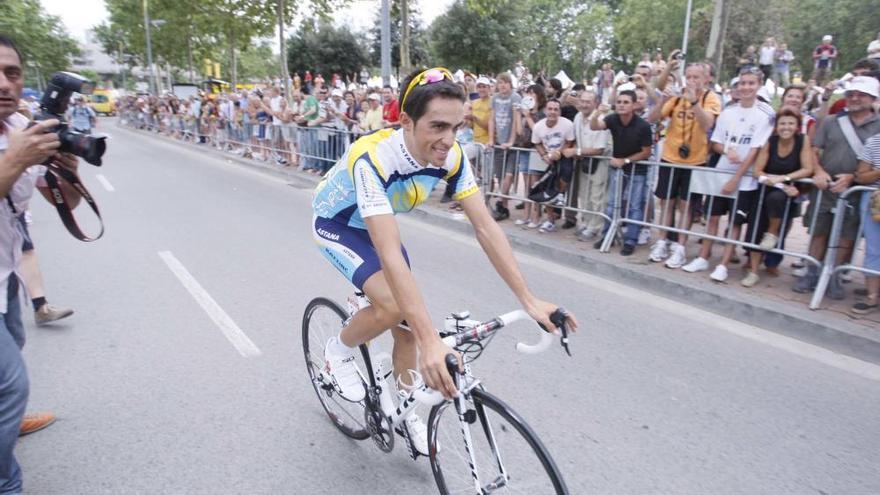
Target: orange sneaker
35, 422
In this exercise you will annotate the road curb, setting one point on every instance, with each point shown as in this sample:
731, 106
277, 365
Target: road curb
789, 319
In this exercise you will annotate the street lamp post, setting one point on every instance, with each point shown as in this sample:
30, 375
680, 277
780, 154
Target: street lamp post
150, 67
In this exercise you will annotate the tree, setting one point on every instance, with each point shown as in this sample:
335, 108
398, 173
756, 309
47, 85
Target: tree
479, 40
418, 50
258, 63
325, 49
40, 37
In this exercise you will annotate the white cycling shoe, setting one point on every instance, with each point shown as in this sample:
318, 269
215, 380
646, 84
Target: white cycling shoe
417, 432
342, 369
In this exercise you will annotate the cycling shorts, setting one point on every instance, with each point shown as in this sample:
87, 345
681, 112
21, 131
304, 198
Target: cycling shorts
349, 249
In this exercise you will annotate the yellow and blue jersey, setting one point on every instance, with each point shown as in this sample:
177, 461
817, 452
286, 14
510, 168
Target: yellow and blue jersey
377, 175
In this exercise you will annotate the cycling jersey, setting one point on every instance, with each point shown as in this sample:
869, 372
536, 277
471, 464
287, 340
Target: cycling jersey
377, 176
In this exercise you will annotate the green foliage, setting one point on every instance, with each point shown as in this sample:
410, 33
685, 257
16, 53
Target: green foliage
643, 26
40, 37
326, 50
418, 51
258, 63
474, 38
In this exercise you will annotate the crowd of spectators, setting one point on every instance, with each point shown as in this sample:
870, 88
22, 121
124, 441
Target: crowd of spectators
783, 144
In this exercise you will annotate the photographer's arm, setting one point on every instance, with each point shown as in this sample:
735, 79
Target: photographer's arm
26, 147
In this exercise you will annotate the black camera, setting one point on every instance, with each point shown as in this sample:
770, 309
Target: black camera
679, 56
53, 106
684, 151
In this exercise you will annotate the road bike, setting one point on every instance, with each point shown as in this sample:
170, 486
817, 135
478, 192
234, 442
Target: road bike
477, 444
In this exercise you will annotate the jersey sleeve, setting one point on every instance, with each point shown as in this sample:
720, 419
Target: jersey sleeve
719, 134
372, 198
461, 178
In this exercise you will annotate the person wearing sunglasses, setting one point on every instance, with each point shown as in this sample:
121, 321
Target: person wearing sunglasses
393, 171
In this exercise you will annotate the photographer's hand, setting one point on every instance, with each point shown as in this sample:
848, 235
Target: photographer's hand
33, 145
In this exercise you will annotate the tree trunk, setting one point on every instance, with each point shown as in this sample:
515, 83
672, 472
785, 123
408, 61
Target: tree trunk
405, 60
189, 54
715, 47
285, 75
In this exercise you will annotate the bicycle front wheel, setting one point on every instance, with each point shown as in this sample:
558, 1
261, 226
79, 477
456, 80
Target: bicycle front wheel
503, 455
324, 319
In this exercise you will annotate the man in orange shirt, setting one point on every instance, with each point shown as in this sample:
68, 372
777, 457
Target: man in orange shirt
691, 118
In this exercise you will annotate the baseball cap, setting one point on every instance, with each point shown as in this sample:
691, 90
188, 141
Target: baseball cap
374, 96
336, 92
826, 37
864, 84
484, 80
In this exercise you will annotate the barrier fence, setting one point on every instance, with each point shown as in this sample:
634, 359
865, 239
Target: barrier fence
612, 203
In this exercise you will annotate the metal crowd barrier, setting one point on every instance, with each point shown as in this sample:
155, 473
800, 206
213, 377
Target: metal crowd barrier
705, 183
514, 168
830, 267
315, 148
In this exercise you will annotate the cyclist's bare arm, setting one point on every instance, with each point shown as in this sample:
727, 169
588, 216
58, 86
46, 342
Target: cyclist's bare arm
385, 235
494, 243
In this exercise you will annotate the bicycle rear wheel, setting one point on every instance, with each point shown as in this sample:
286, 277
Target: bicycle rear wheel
323, 319
508, 456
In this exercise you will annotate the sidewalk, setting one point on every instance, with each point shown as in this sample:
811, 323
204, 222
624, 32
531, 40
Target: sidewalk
770, 305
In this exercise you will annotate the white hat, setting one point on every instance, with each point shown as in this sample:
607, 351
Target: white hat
374, 96
484, 80
627, 86
865, 84
336, 92
826, 37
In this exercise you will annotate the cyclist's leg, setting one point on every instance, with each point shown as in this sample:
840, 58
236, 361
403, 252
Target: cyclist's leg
385, 314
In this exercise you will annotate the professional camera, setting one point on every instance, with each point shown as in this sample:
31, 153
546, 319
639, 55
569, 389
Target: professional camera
54, 104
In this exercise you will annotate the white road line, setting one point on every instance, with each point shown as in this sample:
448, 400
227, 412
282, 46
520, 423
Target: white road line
104, 182
233, 333
710, 320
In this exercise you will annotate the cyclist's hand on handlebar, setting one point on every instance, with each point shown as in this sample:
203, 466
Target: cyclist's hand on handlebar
541, 311
432, 366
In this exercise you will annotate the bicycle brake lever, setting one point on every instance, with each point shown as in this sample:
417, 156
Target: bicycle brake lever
558, 319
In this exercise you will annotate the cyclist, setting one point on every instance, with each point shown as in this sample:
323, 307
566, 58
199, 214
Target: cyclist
392, 171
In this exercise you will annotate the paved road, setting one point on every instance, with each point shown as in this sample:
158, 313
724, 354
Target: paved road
153, 398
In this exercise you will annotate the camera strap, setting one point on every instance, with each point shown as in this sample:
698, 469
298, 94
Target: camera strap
54, 175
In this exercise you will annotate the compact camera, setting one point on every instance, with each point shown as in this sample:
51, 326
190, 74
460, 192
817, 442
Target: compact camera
684, 151
53, 105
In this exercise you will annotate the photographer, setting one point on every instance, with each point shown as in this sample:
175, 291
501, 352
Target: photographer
20, 148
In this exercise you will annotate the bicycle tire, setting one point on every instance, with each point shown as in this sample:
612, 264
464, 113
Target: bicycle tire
520, 443
347, 416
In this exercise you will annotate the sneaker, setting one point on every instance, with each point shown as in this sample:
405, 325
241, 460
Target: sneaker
845, 276
559, 200
417, 433
48, 313
35, 422
520, 222
677, 256
547, 227
768, 242
568, 225
750, 279
531, 225
719, 274
696, 265
343, 371
864, 308
500, 213
644, 236
586, 235
521, 206
627, 249
659, 251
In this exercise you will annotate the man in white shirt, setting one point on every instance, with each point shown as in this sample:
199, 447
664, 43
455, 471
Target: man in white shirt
740, 132
766, 57
18, 180
276, 105
591, 173
551, 136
